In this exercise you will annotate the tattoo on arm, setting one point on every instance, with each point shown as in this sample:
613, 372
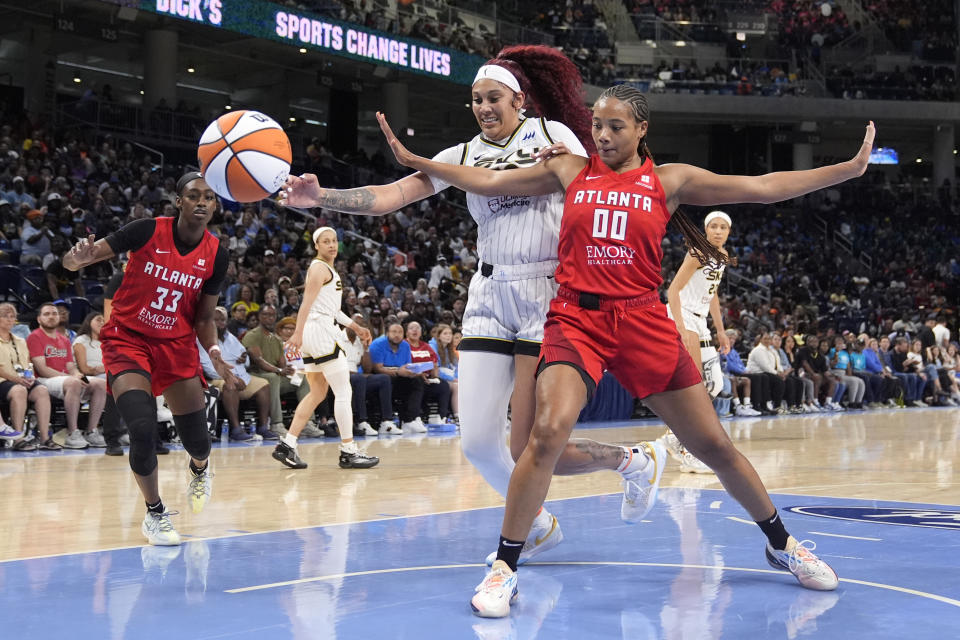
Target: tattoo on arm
347, 200
591, 456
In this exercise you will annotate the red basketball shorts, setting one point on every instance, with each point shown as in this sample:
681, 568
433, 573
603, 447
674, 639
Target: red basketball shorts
167, 360
637, 344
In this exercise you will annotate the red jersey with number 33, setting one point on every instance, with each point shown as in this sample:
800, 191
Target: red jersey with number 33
161, 288
611, 231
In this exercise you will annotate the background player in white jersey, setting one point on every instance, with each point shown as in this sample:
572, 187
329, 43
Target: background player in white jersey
517, 245
691, 296
319, 337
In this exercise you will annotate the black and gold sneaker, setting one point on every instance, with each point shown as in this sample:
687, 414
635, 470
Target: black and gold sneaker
288, 456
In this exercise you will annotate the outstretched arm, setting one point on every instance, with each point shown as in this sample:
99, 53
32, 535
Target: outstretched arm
376, 200
546, 177
685, 184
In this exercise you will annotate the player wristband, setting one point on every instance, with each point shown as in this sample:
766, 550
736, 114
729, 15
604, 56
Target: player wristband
214, 349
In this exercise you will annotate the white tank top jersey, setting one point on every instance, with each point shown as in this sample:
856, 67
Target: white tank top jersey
700, 289
328, 301
513, 229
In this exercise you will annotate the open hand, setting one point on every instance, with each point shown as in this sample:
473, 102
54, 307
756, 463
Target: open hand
555, 149
862, 159
300, 191
400, 152
84, 252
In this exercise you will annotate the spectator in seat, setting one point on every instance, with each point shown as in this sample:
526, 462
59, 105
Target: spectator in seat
843, 370
437, 390
907, 370
86, 347
247, 386
449, 363
19, 389
268, 361
63, 311
55, 369
877, 363
763, 366
390, 355
34, 239
873, 394
736, 367
364, 383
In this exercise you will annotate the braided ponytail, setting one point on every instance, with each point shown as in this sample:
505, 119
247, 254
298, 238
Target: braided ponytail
693, 237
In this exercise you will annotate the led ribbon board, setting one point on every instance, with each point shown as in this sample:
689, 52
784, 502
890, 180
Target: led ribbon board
303, 29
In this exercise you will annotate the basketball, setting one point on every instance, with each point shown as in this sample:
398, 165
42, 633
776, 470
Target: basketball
244, 156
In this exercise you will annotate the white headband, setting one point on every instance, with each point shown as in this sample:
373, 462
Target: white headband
714, 215
498, 73
316, 234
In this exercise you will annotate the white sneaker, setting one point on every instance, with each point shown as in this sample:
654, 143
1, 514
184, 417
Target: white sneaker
95, 438
640, 487
672, 444
746, 410
200, 488
159, 530
544, 535
920, 403
366, 429
75, 440
388, 427
689, 463
414, 426
496, 593
809, 570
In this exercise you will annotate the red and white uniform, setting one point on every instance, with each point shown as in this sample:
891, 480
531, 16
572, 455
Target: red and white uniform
609, 248
161, 288
151, 326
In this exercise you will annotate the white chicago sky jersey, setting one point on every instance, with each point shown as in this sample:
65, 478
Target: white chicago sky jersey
513, 229
700, 289
328, 301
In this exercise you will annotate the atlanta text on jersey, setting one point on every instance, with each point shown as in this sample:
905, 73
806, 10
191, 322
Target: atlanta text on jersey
174, 277
614, 198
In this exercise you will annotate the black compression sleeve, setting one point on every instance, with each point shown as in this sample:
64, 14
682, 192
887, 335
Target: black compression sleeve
132, 236
215, 283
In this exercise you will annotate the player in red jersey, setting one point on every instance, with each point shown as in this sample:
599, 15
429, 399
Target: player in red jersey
608, 314
170, 288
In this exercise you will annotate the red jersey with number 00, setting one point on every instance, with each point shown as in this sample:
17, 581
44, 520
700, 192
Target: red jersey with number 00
161, 288
611, 231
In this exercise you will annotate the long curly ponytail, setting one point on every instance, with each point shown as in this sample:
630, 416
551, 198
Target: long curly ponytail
696, 241
552, 84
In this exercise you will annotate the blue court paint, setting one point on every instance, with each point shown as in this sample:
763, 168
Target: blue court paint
689, 573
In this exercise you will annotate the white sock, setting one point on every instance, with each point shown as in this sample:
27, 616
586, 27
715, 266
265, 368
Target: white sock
348, 447
634, 459
736, 401
290, 440
746, 401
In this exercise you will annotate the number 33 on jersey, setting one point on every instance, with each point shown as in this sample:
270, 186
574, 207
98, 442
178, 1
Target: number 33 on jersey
161, 288
611, 231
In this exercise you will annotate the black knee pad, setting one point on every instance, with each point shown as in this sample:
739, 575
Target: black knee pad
139, 411
194, 436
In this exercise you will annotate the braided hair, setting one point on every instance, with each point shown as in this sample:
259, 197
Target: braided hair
694, 238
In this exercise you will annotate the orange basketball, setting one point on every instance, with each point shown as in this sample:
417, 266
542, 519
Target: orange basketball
244, 156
